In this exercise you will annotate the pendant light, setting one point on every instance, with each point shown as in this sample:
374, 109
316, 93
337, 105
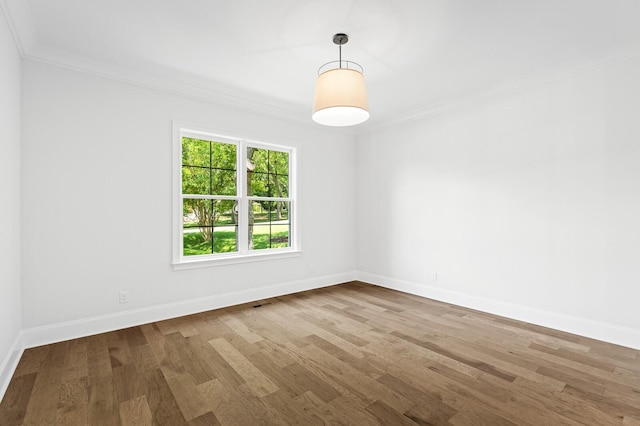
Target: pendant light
341, 96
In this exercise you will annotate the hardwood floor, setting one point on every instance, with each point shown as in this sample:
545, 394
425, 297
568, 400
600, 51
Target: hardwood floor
350, 354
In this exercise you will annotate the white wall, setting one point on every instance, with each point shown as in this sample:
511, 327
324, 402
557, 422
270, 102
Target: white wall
524, 204
10, 294
97, 201
527, 204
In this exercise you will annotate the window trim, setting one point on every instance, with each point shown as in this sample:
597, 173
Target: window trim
179, 261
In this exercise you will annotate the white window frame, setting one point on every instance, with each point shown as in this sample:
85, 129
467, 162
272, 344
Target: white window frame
243, 254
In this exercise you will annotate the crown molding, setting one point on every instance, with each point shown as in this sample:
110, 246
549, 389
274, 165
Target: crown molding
173, 82
203, 89
461, 102
181, 84
19, 20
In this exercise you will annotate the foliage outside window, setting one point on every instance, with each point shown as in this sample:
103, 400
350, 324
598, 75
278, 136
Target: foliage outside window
235, 198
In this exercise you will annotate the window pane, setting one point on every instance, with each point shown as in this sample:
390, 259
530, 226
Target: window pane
223, 161
196, 180
195, 152
223, 155
269, 225
257, 160
259, 184
279, 163
267, 173
223, 182
208, 167
278, 186
209, 226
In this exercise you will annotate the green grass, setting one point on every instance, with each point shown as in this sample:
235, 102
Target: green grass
258, 218
225, 241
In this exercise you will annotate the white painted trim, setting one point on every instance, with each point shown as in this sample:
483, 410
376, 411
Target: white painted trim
610, 333
9, 363
21, 25
182, 85
452, 104
19, 20
243, 253
47, 334
194, 262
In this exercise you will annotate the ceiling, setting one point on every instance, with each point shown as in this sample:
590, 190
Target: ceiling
419, 56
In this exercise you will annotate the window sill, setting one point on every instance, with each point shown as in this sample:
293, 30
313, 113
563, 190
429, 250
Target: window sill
205, 262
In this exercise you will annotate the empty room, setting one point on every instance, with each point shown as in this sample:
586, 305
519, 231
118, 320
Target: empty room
320, 212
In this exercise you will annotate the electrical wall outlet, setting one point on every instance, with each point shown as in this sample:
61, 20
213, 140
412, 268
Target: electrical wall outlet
124, 296
433, 276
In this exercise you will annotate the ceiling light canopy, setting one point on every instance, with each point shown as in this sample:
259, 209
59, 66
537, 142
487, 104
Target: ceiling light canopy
341, 94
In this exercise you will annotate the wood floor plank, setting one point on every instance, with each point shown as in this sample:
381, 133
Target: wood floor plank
103, 405
216, 364
629, 421
606, 405
75, 361
73, 392
127, 382
482, 366
277, 374
31, 360
237, 405
119, 350
346, 354
357, 381
162, 403
73, 415
46, 388
237, 325
579, 412
134, 337
387, 415
575, 357
136, 412
186, 394
295, 374
429, 407
144, 359
191, 361
255, 379
311, 403
281, 403
274, 353
349, 409
14, 404
207, 419
319, 332
98, 359
479, 416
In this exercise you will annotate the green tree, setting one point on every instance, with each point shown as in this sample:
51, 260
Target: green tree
279, 178
208, 168
270, 177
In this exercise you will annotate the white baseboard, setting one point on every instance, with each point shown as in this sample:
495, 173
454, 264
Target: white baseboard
611, 333
9, 364
47, 334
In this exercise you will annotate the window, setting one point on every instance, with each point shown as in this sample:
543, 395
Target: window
235, 199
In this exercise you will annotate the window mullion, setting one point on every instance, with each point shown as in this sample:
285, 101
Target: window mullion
256, 198
243, 204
